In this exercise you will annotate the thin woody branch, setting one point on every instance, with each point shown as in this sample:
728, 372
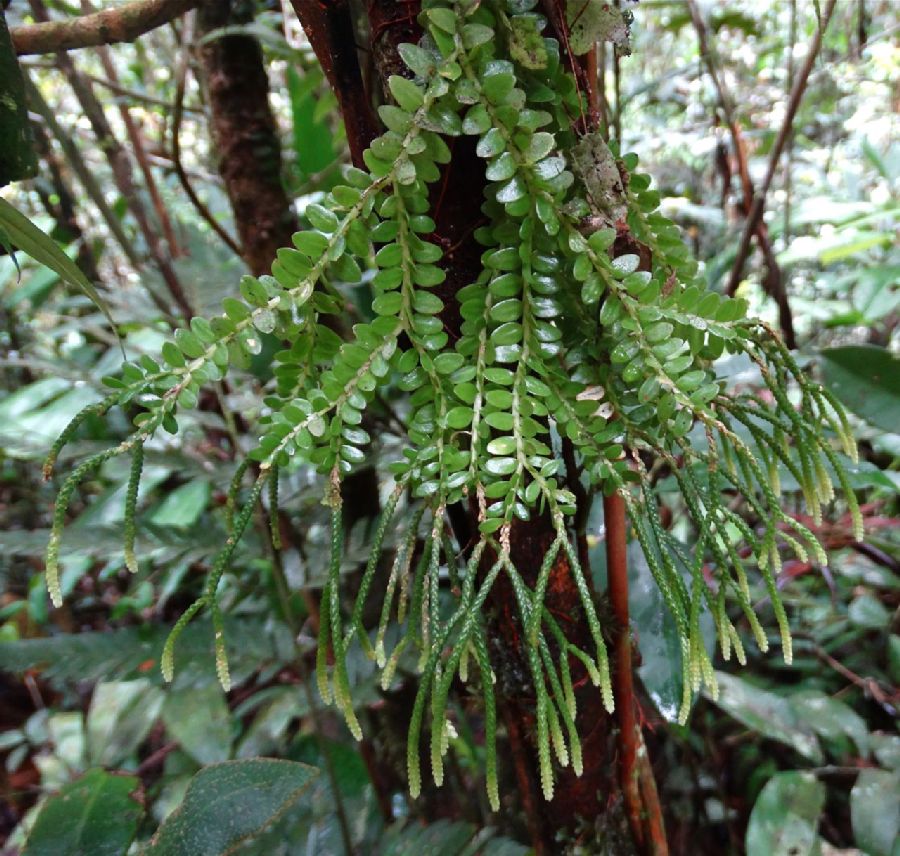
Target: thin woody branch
617, 575
107, 27
121, 166
756, 211
773, 283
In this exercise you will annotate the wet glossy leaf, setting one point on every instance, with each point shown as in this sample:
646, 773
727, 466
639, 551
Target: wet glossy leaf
500, 466
768, 714
786, 815
419, 61
875, 811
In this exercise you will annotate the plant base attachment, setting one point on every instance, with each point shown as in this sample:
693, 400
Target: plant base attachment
635, 774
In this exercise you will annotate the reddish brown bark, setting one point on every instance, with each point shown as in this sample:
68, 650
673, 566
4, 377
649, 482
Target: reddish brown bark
107, 27
579, 801
635, 773
584, 809
617, 574
329, 28
245, 136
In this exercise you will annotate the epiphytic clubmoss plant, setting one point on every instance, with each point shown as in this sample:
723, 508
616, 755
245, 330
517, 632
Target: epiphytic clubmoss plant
560, 337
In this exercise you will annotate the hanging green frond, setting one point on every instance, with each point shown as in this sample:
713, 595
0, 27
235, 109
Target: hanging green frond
564, 334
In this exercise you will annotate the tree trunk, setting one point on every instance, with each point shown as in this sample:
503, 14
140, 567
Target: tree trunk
585, 809
245, 134
17, 159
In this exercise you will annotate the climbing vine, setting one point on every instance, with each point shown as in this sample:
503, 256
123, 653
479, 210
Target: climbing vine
588, 323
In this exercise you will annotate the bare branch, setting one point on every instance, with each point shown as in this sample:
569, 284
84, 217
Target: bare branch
759, 201
107, 27
120, 163
773, 282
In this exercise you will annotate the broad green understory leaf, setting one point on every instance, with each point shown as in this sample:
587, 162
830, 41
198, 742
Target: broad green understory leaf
785, 818
875, 812
96, 815
228, 803
198, 718
867, 379
18, 232
768, 714
125, 653
183, 506
35, 413
447, 838
830, 718
120, 717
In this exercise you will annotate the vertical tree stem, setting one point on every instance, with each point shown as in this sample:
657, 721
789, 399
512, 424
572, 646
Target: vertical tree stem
635, 772
617, 86
245, 133
594, 90
617, 580
329, 28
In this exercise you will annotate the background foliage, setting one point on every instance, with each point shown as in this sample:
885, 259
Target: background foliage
806, 756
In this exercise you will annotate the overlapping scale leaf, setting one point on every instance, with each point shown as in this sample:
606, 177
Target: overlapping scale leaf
588, 328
